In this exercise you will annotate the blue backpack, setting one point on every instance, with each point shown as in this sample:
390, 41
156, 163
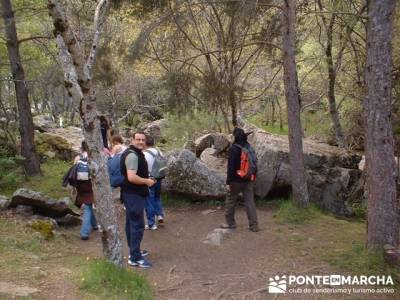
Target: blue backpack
82, 169
114, 170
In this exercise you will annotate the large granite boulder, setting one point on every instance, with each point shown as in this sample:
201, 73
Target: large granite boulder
190, 176
219, 141
334, 179
43, 123
63, 143
155, 129
74, 135
40, 203
4, 202
214, 161
333, 175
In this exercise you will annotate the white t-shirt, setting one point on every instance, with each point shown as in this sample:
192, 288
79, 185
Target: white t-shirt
150, 158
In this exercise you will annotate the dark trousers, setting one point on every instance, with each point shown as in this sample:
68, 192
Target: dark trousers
134, 226
232, 199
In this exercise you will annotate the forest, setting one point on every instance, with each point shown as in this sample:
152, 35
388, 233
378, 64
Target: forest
315, 83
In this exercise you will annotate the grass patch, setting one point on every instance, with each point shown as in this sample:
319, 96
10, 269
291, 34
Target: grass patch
18, 238
12, 177
289, 213
24, 249
107, 281
50, 183
259, 121
359, 260
175, 201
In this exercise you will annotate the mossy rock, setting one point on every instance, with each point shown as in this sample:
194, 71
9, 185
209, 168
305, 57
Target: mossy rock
53, 143
44, 227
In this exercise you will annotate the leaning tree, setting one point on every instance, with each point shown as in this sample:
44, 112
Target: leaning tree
78, 80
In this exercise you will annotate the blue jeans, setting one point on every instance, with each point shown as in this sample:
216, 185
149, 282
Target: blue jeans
89, 220
153, 204
134, 226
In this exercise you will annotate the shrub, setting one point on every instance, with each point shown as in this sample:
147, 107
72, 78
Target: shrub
11, 174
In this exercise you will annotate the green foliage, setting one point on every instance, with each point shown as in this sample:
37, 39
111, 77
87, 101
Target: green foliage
12, 177
141, 7
358, 259
187, 127
11, 174
176, 82
359, 210
317, 124
289, 213
259, 121
108, 281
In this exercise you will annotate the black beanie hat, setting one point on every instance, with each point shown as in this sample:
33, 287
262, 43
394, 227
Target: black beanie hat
240, 135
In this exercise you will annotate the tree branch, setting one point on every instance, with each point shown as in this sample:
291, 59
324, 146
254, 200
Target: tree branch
34, 38
99, 19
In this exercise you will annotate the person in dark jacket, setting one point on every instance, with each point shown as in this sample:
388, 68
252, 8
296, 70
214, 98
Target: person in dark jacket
237, 185
135, 192
105, 130
85, 197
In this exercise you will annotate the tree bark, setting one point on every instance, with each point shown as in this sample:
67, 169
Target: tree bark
298, 173
86, 97
383, 214
233, 105
337, 128
26, 129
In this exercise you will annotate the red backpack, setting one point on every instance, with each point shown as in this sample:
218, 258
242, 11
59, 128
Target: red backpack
248, 163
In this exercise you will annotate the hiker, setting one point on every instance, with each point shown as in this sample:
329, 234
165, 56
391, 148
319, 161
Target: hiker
153, 207
242, 168
105, 129
117, 144
84, 190
135, 191
114, 162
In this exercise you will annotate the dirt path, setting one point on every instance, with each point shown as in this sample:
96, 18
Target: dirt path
186, 268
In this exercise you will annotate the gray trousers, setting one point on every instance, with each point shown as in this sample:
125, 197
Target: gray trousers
232, 199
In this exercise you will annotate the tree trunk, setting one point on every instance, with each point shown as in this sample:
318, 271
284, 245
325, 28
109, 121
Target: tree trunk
233, 105
31, 162
383, 215
337, 128
81, 87
298, 173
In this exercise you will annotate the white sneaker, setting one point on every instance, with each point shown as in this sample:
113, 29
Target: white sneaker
140, 263
160, 219
153, 227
